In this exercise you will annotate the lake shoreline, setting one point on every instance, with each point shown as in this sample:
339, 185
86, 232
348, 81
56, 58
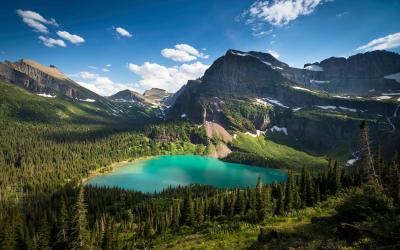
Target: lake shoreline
112, 167
146, 175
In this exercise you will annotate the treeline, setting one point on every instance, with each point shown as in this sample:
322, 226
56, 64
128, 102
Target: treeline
36, 157
113, 218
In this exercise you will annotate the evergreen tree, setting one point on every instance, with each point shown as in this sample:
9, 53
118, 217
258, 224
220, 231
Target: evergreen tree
366, 160
261, 210
79, 227
240, 204
289, 192
279, 210
62, 226
188, 217
43, 235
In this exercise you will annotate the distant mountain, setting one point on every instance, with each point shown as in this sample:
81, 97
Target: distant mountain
68, 100
154, 97
128, 96
368, 73
43, 80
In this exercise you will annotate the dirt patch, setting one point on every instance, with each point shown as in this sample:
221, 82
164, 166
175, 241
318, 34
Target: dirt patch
215, 130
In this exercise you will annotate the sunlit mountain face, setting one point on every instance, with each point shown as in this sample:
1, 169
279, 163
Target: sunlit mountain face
200, 124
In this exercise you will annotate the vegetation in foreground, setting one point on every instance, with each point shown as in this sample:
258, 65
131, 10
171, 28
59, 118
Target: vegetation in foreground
332, 209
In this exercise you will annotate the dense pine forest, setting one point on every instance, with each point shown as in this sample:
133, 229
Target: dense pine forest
43, 206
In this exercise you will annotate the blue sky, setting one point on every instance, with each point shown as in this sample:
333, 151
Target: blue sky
111, 45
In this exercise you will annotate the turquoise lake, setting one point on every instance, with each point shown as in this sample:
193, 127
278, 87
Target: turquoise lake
164, 171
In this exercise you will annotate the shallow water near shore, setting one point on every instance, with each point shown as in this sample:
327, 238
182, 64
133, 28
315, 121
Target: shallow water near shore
158, 173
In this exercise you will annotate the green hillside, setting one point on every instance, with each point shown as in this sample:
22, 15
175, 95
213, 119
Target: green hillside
22, 105
258, 150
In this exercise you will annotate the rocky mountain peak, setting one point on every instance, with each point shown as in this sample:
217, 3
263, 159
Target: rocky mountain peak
25, 64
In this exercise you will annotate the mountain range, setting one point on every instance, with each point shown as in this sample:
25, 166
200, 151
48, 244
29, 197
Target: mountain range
316, 109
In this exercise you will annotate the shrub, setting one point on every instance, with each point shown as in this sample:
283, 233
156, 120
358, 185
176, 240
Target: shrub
365, 203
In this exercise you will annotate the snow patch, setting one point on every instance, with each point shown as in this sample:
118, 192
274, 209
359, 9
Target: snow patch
348, 109
352, 161
343, 97
318, 81
296, 109
326, 107
390, 93
395, 77
267, 63
301, 88
87, 100
279, 129
46, 95
275, 102
382, 97
314, 67
240, 54
277, 68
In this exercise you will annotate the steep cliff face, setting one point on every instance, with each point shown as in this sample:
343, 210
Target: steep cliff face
41, 79
240, 74
358, 74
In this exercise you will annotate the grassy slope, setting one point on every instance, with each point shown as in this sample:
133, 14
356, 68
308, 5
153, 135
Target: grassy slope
20, 104
279, 155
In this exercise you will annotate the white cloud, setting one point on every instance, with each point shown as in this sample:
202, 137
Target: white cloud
93, 67
280, 12
87, 75
171, 79
102, 85
183, 53
50, 42
105, 70
274, 53
123, 32
387, 42
342, 14
191, 50
70, 37
108, 65
177, 55
35, 20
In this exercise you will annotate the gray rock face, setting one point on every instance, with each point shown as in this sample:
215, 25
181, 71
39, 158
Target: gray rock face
41, 79
239, 73
355, 75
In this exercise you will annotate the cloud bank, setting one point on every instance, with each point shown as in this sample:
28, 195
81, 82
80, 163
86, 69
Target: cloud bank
51, 42
169, 78
75, 39
36, 21
387, 42
183, 53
